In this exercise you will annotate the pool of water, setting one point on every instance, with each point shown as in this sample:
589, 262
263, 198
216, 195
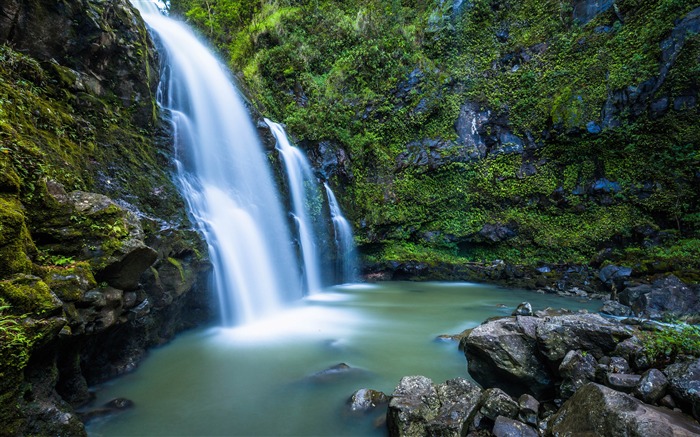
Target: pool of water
259, 379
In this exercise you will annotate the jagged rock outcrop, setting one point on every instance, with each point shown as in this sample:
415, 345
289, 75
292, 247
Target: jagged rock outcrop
98, 261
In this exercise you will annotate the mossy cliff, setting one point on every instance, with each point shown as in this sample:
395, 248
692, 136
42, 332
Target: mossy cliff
539, 133
90, 221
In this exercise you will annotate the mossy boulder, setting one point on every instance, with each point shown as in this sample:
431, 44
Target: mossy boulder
29, 294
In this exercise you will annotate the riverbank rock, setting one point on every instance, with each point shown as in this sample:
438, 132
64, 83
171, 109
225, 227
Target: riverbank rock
519, 354
665, 298
503, 353
684, 385
598, 410
418, 407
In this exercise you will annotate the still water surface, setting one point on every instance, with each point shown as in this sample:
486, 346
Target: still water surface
258, 380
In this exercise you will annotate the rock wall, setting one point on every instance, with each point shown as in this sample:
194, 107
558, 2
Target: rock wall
453, 132
98, 260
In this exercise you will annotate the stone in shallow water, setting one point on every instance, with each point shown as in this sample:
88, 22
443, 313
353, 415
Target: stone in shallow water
365, 400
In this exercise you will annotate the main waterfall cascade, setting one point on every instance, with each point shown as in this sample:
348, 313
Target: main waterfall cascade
225, 178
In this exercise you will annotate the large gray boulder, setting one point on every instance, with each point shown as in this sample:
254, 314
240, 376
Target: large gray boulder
684, 385
419, 408
503, 353
590, 332
596, 410
664, 298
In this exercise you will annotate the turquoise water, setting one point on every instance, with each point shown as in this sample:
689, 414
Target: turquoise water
258, 380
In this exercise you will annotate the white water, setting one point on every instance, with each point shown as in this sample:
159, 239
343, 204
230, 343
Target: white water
344, 242
304, 192
225, 177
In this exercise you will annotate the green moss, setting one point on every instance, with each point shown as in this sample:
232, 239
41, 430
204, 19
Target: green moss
374, 76
178, 266
28, 294
69, 282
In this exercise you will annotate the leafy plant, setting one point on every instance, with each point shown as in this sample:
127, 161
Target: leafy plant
13, 341
671, 342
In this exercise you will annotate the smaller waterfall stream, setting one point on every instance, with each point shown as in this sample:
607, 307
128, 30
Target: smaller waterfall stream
344, 242
303, 188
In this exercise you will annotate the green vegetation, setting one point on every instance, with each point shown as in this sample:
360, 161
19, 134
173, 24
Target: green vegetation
670, 343
372, 77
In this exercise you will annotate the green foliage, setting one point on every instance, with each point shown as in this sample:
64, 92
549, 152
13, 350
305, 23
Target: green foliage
375, 77
666, 345
14, 343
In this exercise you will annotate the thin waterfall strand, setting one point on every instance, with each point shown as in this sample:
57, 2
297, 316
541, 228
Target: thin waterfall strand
344, 241
224, 176
304, 193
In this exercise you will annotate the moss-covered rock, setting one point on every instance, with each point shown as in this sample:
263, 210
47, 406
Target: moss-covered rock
435, 121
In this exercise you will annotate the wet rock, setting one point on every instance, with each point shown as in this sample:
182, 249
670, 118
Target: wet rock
665, 298
529, 409
458, 398
684, 385
576, 370
333, 373
598, 410
612, 274
114, 406
503, 353
493, 403
365, 400
614, 308
591, 332
419, 408
524, 309
506, 427
652, 386
623, 382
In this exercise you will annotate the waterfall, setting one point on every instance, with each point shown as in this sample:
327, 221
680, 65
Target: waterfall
344, 242
224, 176
305, 198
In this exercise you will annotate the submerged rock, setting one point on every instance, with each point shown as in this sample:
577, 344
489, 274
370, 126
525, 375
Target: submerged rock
336, 372
365, 400
112, 407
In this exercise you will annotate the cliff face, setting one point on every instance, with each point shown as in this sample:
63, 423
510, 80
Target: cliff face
97, 258
460, 131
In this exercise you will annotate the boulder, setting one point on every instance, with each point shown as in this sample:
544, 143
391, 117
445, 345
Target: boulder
529, 409
595, 410
590, 332
420, 408
623, 382
503, 353
652, 386
665, 298
493, 403
576, 370
506, 427
615, 308
524, 309
684, 385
